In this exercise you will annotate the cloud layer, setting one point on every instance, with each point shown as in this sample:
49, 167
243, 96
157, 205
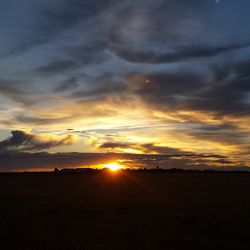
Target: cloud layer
142, 76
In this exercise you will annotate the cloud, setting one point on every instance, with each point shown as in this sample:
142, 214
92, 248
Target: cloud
224, 98
166, 68
24, 141
101, 86
24, 161
223, 92
152, 148
180, 54
16, 90
149, 148
115, 145
68, 84
37, 120
66, 13
56, 67
38, 23
163, 84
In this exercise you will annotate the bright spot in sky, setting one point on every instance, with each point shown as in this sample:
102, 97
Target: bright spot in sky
114, 166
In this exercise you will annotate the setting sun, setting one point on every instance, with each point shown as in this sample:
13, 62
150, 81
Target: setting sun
114, 166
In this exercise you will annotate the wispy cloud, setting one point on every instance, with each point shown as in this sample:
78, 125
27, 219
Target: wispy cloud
180, 54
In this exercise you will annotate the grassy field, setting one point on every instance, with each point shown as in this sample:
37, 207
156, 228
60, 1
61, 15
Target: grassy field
125, 211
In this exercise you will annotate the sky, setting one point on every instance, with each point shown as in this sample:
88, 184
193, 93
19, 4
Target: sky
148, 83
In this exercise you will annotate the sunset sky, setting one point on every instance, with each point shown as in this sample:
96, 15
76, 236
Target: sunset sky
157, 82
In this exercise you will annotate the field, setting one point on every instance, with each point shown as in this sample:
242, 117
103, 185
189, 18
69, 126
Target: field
124, 211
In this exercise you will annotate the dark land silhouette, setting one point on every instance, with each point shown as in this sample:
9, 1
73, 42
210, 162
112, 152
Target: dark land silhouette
146, 209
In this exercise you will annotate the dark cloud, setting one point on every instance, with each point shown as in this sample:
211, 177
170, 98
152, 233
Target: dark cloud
36, 120
180, 54
42, 21
115, 145
228, 136
148, 22
219, 128
20, 161
68, 84
226, 97
21, 48
102, 92
242, 69
56, 67
10, 87
22, 141
151, 148
160, 151
92, 52
17, 90
65, 13
225, 93
166, 84
100, 86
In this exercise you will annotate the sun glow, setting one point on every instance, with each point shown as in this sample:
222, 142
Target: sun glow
114, 166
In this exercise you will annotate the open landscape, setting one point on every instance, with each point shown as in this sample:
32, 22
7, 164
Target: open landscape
126, 210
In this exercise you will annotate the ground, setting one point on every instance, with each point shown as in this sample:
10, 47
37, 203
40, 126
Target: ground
124, 211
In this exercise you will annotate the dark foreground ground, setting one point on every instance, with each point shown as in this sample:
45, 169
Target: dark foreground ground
127, 211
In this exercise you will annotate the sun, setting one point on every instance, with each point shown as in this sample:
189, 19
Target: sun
114, 166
